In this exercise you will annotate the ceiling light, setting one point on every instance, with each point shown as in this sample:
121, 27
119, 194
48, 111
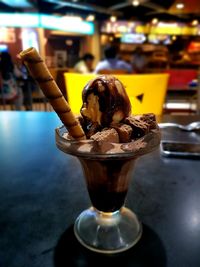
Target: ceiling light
195, 22
90, 17
174, 37
180, 5
113, 18
154, 21
135, 3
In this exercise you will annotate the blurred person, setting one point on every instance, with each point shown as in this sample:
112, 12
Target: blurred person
85, 65
26, 84
139, 60
111, 61
159, 60
9, 88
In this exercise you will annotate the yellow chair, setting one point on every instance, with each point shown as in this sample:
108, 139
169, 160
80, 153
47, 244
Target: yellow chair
146, 91
113, 72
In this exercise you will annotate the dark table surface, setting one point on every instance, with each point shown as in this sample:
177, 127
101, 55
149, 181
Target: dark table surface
42, 191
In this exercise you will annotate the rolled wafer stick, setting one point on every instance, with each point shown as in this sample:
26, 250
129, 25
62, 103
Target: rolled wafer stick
41, 74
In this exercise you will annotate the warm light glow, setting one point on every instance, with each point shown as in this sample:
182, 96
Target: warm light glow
122, 28
195, 22
180, 5
69, 42
113, 18
90, 17
168, 25
118, 35
131, 24
7, 35
154, 21
135, 2
174, 37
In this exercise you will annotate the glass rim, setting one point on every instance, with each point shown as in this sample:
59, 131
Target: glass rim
133, 149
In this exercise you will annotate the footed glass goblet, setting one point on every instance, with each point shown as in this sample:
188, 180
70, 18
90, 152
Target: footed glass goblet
107, 226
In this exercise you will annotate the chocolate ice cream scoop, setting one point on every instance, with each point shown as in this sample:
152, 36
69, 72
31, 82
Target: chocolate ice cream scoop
105, 101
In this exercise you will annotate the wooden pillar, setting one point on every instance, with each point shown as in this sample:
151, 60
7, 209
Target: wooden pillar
91, 44
42, 42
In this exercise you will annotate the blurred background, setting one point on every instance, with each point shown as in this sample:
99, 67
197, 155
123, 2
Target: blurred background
150, 36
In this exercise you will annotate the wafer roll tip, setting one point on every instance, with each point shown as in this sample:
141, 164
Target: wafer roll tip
26, 52
39, 71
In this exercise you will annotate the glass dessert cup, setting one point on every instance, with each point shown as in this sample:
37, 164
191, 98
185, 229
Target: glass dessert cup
107, 227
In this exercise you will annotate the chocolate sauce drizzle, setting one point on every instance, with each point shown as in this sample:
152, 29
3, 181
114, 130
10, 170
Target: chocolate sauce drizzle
110, 100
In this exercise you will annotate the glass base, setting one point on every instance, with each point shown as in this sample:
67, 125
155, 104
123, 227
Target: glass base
108, 232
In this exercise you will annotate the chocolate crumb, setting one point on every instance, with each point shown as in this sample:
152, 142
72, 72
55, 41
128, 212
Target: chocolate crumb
150, 118
139, 127
124, 131
106, 135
